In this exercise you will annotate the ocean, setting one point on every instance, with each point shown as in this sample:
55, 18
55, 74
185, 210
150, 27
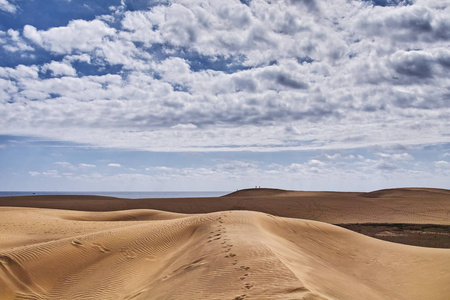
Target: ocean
130, 195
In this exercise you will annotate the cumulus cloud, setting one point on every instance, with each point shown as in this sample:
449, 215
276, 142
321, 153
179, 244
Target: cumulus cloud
7, 6
395, 156
413, 63
442, 164
334, 171
12, 41
406, 23
212, 75
59, 69
77, 35
356, 170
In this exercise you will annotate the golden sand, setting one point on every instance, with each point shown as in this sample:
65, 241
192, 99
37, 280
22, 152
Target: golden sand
83, 247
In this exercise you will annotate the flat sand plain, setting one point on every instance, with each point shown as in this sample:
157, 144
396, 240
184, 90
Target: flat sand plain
251, 244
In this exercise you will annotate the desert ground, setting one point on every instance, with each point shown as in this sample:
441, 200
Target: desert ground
250, 244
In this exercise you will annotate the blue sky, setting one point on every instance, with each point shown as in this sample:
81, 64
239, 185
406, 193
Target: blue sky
220, 95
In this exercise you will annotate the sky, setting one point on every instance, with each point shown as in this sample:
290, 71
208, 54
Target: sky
219, 95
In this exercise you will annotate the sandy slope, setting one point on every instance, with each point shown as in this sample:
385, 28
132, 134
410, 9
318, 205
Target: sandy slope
417, 206
149, 254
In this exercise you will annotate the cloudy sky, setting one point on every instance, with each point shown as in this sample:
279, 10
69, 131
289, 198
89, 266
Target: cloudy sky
224, 94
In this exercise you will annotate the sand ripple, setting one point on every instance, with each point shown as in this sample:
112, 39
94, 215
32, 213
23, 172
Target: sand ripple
149, 254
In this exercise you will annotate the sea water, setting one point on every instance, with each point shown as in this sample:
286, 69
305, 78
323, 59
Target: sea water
129, 195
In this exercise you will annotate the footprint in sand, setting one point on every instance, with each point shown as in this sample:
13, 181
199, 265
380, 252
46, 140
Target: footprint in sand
77, 243
230, 255
128, 253
101, 247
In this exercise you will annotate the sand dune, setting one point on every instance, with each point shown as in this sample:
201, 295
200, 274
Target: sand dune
231, 254
416, 206
145, 254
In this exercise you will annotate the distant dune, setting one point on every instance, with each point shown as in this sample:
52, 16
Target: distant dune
407, 192
258, 192
417, 206
214, 248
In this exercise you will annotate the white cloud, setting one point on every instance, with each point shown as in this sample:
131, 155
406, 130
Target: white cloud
65, 164
48, 173
331, 170
114, 165
20, 72
442, 164
59, 69
340, 173
81, 58
159, 169
213, 75
414, 23
77, 35
11, 41
396, 156
84, 165
31, 33
69, 165
184, 126
8, 7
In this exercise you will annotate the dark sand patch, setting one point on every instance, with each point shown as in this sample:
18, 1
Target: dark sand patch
424, 235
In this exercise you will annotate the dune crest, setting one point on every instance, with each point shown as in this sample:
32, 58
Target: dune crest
146, 254
257, 192
409, 192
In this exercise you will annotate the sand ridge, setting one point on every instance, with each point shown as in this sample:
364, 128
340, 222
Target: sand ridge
82, 247
145, 254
